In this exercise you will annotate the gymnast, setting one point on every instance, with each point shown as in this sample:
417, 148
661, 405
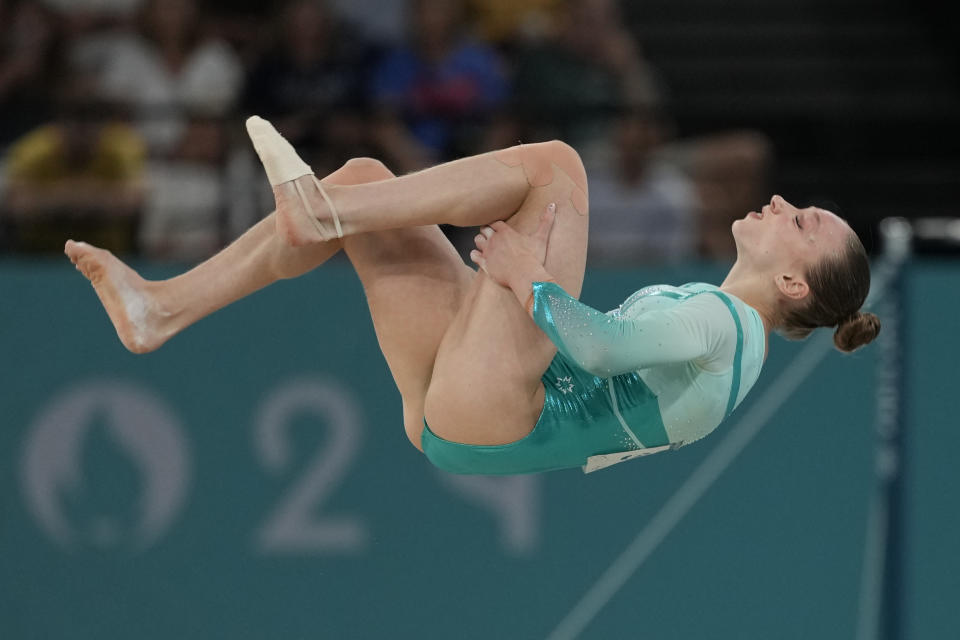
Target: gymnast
502, 370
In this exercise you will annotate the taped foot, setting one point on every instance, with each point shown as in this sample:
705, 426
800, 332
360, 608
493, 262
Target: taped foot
305, 212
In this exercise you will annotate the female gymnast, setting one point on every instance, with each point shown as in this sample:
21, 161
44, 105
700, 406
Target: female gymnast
502, 370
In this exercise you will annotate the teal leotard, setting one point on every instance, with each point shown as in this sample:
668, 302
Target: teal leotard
659, 372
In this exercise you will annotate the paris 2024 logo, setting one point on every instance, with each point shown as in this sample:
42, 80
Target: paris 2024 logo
105, 465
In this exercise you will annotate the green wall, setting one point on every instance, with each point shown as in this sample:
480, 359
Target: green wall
252, 479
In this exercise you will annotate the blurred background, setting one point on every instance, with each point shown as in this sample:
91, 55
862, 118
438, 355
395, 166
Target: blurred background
237, 485
122, 119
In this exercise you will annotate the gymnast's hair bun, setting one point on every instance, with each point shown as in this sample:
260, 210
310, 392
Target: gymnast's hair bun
856, 331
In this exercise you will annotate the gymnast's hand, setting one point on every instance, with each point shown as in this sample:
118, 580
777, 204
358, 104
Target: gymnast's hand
511, 258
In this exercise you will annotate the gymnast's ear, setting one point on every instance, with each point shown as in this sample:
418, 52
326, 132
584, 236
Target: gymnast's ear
792, 286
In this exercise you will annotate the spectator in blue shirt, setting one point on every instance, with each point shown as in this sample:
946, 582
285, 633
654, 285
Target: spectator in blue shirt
434, 95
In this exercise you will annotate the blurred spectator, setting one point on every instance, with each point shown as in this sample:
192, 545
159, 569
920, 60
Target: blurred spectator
510, 22
180, 86
641, 210
184, 213
87, 15
92, 27
435, 95
731, 170
169, 70
31, 49
240, 23
310, 84
382, 21
657, 199
569, 86
80, 176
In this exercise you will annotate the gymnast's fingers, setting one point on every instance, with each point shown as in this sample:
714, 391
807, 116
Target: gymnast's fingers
546, 222
478, 258
487, 231
480, 240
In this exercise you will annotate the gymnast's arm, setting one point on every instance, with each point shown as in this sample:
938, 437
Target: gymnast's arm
603, 344
609, 344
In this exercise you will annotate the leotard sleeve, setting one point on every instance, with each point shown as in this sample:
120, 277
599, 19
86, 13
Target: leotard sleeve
606, 344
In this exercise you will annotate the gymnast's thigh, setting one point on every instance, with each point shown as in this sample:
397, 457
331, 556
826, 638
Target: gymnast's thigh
486, 386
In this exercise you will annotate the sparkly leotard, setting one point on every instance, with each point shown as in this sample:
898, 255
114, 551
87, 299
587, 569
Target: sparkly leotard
659, 372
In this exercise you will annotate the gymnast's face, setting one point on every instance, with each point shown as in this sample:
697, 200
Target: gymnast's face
785, 241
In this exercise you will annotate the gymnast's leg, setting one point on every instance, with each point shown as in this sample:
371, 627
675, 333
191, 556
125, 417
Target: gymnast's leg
472, 191
468, 192
486, 388
148, 313
414, 281
459, 346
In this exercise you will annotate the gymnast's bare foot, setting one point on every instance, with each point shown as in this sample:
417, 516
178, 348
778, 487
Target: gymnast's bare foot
305, 213
129, 300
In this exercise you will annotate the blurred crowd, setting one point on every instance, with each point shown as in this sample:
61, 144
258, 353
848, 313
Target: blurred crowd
121, 121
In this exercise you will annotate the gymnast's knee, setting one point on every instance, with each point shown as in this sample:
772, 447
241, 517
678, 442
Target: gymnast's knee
539, 161
566, 157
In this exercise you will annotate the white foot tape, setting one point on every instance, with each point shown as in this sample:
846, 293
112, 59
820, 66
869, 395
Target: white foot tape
277, 155
282, 164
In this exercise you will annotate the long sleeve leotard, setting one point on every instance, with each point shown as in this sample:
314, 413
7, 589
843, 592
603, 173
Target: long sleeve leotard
662, 370
696, 349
